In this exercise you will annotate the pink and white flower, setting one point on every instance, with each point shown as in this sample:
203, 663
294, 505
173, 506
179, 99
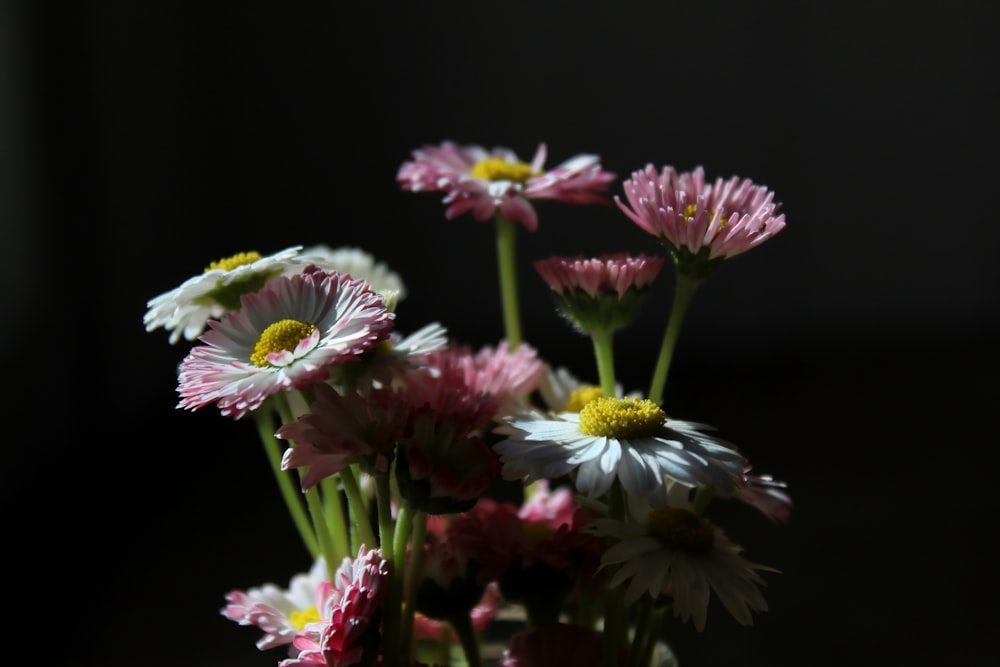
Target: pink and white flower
697, 220
615, 273
348, 607
286, 336
280, 612
486, 182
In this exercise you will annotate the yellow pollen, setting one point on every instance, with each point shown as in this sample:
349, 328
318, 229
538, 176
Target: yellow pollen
536, 532
230, 263
300, 618
581, 396
621, 417
498, 169
681, 529
691, 209
281, 336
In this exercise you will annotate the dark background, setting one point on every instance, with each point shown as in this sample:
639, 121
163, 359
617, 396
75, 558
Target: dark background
854, 355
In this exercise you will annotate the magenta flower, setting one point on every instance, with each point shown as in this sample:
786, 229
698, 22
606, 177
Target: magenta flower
286, 336
347, 608
484, 182
701, 223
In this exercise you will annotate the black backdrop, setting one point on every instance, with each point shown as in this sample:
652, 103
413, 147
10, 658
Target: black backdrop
853, 355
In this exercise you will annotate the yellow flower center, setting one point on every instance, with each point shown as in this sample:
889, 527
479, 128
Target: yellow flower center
691, 209
230, 263
498, 169
300, 618
621, 417
581, 396
281, 336
681, 529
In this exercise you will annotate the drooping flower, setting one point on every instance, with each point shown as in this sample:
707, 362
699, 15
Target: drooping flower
701, 224
281, 613
349, 609
629, 439
600, 294
186, 309
360, 264
286, 336
484, 182
340, 430
675, 554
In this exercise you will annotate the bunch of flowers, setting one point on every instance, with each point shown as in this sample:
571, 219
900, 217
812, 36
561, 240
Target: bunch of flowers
441, 487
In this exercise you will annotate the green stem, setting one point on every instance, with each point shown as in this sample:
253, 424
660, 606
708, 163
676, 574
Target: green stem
683, 294
419, 523
615, 622
391, 602
604, 353
326, 545
643, 653
334, 509
507, 264
462, 623
359, 508
292, 496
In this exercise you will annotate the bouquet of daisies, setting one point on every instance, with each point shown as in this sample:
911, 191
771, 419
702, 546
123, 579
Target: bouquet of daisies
444, 489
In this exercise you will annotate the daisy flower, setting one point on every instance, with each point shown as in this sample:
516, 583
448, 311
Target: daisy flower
602, 293
341, 430
674, 553
629, 439
767, 496
186, 310
348, 608
281, 613
391, 358
359, 264
286, 336
701, 224
484, 182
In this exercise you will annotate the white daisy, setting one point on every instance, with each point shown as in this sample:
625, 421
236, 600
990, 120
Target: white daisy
675, 554
286, 336
281, 613
395, 355
630, 439
359, 264
186, 310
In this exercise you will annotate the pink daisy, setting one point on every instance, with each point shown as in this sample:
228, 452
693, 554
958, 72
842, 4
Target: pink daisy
281, 613
602, 293
286, 336
343, 429
485, 182
348, 607
701, 223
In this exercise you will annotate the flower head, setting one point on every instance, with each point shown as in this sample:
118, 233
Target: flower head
343, 429
602, 293
286, 336
701, 224
185, 310
484, 182
348, 609
678, 555
281, 613
625, 438
361, 264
